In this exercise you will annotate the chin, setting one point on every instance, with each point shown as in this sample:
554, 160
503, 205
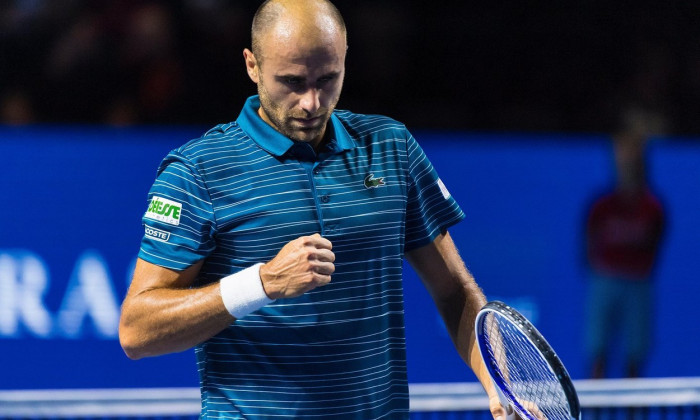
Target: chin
304, 139
304, 136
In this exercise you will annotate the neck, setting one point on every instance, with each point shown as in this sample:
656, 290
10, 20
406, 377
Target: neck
316, 143
320, 143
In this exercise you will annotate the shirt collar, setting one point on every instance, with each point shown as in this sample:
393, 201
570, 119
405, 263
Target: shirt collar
276, 143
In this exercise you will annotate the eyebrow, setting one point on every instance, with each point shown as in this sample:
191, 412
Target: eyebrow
296, 76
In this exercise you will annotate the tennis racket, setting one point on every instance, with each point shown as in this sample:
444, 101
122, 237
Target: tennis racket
528, 375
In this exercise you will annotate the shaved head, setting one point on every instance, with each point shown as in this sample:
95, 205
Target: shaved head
303, 45
285, 19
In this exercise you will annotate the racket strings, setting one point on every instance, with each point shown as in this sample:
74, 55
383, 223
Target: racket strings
534, 386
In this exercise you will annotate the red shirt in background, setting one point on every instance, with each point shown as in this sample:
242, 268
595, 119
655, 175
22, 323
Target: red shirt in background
623, 232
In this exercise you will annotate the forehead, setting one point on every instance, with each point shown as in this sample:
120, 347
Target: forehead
292, 43
304, 60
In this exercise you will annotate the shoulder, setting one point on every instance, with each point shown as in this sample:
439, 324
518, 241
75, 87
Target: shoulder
223, 140
371, 125
603, 202
216, 138
653, 202
652, 198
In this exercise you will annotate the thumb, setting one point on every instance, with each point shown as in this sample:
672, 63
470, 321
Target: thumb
498, 410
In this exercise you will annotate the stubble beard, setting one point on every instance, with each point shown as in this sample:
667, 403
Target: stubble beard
282, 120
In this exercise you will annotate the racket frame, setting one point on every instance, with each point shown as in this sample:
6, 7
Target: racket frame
537, 340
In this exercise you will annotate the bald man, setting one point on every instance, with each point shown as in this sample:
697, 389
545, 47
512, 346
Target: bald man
274, 244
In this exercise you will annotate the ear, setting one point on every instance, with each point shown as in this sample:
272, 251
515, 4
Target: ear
251, 65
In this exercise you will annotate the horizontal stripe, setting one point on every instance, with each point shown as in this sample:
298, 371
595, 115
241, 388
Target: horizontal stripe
338, 350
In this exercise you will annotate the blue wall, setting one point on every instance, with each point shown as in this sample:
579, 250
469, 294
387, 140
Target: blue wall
71, 201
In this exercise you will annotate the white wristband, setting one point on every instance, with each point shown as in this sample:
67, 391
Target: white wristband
243, 292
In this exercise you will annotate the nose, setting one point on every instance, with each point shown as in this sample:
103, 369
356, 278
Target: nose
310, 101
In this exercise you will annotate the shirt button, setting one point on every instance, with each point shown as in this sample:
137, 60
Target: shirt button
325, 198
317, 171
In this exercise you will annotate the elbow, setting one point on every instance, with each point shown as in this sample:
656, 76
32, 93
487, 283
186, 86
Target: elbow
137, 342
132, 352
133, 336
132, 346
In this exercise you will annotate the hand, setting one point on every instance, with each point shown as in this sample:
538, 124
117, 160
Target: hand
301, 265
500, 413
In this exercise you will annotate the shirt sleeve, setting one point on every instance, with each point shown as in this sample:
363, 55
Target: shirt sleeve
431, 208
179, 221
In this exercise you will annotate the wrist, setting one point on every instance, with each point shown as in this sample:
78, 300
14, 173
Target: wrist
267, 280
243, 292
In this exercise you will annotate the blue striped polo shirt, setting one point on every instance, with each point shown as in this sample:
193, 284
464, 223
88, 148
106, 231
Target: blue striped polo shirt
236, 195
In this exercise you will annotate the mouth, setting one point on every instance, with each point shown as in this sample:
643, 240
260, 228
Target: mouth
307, 122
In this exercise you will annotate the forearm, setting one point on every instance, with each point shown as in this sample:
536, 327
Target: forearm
457, 297
458, 311
160, 321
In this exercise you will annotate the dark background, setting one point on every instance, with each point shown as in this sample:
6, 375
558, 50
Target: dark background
564, 65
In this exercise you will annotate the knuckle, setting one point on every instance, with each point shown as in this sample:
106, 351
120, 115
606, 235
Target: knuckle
308, 243
322, 280
309, 277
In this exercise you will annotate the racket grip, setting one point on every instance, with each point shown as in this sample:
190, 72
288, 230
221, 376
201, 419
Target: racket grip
510, 413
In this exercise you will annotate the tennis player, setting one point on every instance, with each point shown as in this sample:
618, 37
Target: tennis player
274, 244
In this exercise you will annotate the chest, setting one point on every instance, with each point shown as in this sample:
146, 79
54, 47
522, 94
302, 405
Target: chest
352, 197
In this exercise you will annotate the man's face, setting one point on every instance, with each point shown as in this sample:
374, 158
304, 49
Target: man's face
299, 82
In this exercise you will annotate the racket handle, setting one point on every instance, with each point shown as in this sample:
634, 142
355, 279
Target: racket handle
510, 413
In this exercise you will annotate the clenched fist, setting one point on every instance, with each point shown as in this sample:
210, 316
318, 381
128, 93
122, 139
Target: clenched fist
301, 265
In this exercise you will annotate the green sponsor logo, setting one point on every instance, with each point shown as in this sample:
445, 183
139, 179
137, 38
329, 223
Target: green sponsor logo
164, 210
372, 182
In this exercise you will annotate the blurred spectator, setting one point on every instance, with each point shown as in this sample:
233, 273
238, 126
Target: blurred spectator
623, 234
16, 108
122, 111
149, 51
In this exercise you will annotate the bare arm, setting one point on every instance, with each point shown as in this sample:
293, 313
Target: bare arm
458, 299
163, 314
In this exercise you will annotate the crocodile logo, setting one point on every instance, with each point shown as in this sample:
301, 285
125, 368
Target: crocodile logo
372, 182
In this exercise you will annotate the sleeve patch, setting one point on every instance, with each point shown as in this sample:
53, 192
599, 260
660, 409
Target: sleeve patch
164, 210
157, 234
443, 189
